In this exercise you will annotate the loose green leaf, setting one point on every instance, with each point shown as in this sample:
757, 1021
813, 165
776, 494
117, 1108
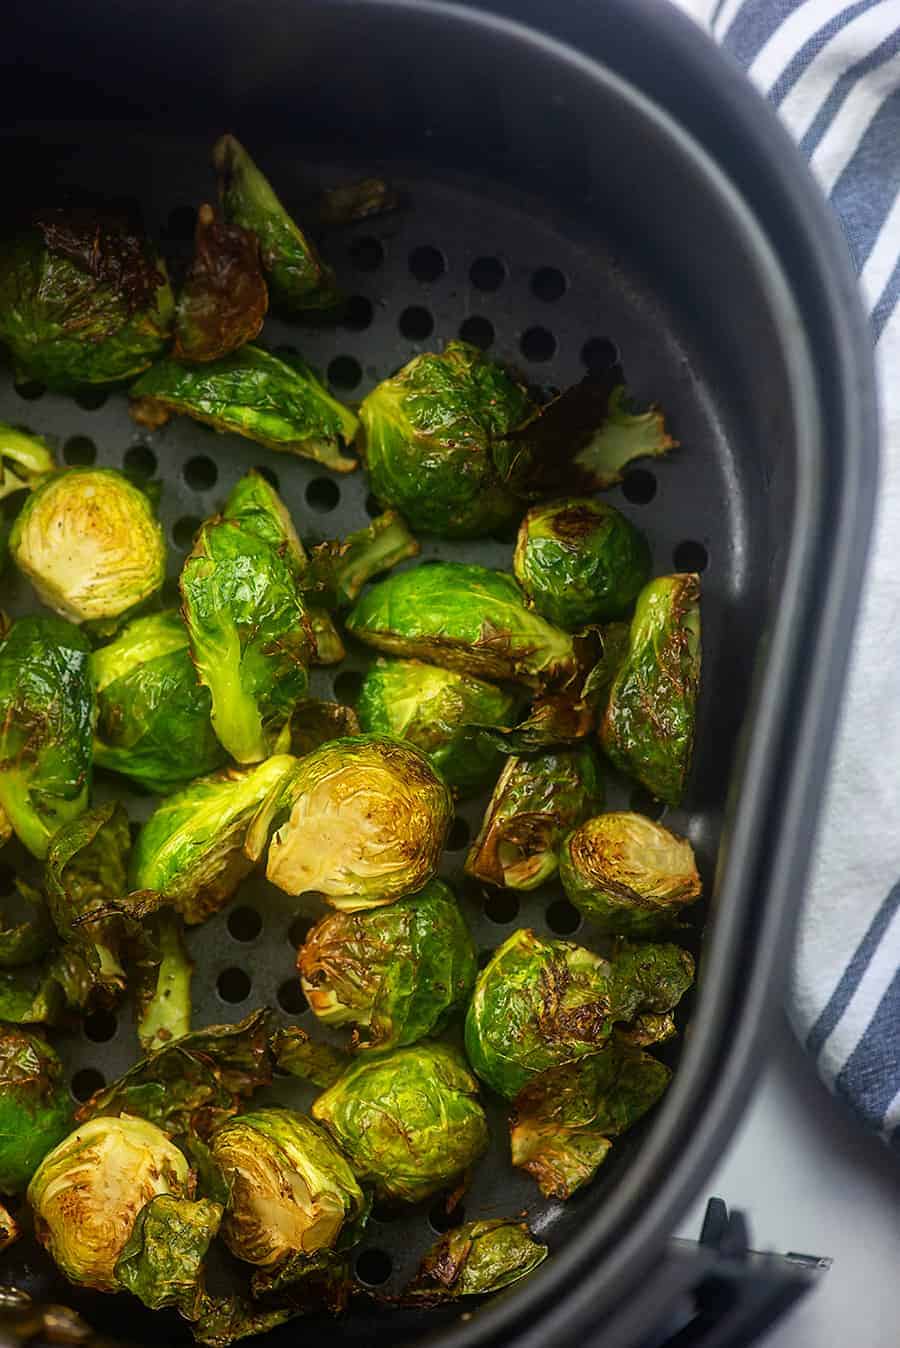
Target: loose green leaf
475, 1259
161, 1263
163, 990
556, 720
35, 1106
30, 940
303, 1057
337, 571
25, 460
350, 202
224, 299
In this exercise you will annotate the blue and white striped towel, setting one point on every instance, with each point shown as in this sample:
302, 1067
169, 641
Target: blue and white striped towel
832, 70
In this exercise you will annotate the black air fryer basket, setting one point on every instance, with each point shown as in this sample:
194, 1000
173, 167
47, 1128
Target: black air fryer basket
581, 182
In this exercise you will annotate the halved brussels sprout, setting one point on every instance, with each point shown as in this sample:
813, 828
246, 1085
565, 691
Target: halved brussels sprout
475, 1259
396, 973
580, 561
25, 460
86, 1194
409, 1121
161, 1262
648, 729
224, 299
291, 1188
35, 1108
435, 709
46, 716
90, 543
190, 850
468, 618
361, 820
627, 874
534, 804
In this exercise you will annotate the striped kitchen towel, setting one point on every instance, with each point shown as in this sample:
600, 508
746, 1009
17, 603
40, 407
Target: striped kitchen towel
832, 70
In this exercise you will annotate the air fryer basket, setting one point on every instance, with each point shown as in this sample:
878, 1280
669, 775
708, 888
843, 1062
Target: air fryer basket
561, 217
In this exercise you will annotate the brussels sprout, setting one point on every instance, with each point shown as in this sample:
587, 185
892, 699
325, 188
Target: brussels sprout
291, 1188
579, 561
397, 973
613, 646
410, 1120
87, 1193
225, 1319
315, 722
466, 618
27, 941
556, 720
474, 1259
153, 718
82, 301
337, 570
9, 1228
163, 991
535, 803
361, 820
190, 850
309, 1059
32, 995
46, 713
162, 1260
256, 506
563, 1121
542, 1004
298, 277
35, 1112
434, 709
25, 460
428, 434
224, 299
648, 729
90, 543
627, 874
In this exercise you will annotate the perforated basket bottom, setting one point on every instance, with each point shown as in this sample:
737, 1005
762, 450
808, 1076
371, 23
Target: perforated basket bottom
454, 261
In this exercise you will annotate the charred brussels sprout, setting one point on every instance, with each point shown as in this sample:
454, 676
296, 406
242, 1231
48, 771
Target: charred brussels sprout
579, 561
648, 729
475, 1259
46, 711
25, 460
291, 1188
161, 1262
90, 543
397, 973
435, 709
191, 848
409, 1121
153, 718
627, 874
224, 299
534, 805
35, 1112
467, 618
86, 1194
428, 433
82, 301
361, 820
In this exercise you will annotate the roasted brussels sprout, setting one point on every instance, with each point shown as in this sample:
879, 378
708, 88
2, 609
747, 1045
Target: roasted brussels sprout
153, 718
397, 973
90, 543
648, 729
256, 506
410, 1121
534, 805
35, 1111
466, 618
435, 709
361, 820
82, 301
46, 714
161, 1262
87, 1193
337, 570
298, 277
541, 1004
580, 561
291, 1188
555, 721
224, 299
314, 722
627, 874
428, 435
25, 460
474, 1259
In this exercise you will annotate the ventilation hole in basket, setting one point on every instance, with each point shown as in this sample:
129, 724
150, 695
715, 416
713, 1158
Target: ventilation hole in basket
100, 1026
7, 879
416, 323
79, 451
181, 223
563, 918
183, 530
548, 284
373, 1267
91, 399
358, 313
139, 462
299, 929
233, 985
291, 998
373, 506
427, 263
641, 802
347, 685
599, 354
269, 474
501, 907
367, 253
459, 835
323, 494
244, 923
200, 473
537, 344
690, 556
477, 330
30, 390
85, 1081
484, 958
487, 273
440, 1220
639, 486
344, 372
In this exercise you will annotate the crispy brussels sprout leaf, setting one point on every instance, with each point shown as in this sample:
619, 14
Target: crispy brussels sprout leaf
29, 940
35, 1107
224, 300
298, 277
350, 202
9, 1228
303, 1057
648, 728
31, 995
613, 645
25, 460
338, 570
314, 722
163, 989
534, 805
556, 720
225, 1319
475, 1259
321, 1281
161, 1262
